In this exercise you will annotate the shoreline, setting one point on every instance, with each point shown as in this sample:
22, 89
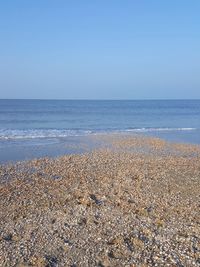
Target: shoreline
133, 201
13, 151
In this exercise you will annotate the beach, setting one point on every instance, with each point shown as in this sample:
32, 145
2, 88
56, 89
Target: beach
133, 201
100, 134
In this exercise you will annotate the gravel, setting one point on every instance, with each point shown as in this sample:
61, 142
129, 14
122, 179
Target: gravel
134, 202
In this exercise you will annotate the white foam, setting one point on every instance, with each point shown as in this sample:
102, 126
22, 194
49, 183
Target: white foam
14, 134
158, 129
39, 133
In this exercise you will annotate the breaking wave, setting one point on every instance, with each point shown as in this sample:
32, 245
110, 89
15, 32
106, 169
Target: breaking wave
7, 134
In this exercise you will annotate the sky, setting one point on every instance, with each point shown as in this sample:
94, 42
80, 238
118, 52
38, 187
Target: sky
127, 49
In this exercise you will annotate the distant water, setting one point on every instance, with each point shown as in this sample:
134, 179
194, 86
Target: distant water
36, 122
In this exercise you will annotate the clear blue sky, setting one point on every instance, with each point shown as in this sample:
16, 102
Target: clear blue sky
105, 49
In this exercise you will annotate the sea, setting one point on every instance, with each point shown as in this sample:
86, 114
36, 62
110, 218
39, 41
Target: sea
37, 128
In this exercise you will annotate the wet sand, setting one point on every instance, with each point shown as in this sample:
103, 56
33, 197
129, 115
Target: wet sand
132, 202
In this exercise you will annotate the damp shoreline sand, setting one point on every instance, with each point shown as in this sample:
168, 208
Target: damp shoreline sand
132, 202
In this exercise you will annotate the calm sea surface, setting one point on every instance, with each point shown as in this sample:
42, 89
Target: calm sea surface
45, 122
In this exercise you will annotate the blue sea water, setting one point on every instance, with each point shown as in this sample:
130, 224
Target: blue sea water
44, 122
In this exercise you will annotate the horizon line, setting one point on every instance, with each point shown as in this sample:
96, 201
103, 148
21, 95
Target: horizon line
102, 99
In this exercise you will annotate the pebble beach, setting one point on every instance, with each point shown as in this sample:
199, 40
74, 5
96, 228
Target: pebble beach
134, 201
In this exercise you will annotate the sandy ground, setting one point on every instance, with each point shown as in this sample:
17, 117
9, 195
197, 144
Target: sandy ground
133, 202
